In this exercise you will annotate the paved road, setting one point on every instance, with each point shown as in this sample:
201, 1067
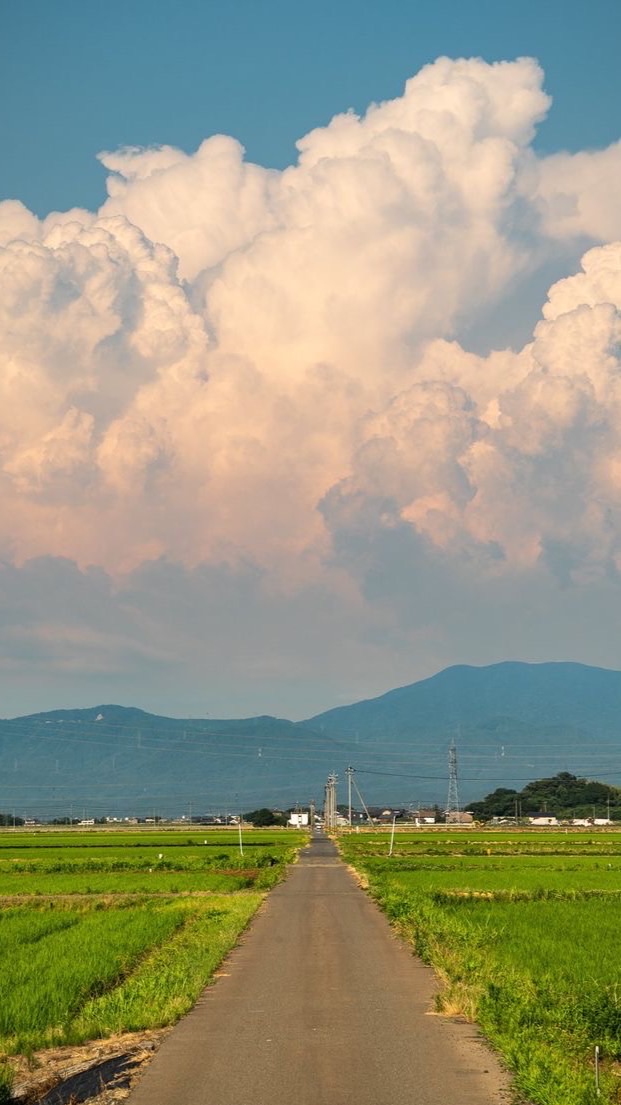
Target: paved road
320, 1004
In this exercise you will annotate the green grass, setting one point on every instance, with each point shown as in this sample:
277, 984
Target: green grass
123, 930
487, 843
77, 860
71, 974
170, 980
46, 982
118, 840
526, 940
496, 877
119, 863
25, 926
126, 882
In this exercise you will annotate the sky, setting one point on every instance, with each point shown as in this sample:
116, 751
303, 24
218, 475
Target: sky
310, 348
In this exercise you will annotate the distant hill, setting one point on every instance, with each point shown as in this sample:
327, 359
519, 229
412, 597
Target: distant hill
555, 693
511, 723
115, 760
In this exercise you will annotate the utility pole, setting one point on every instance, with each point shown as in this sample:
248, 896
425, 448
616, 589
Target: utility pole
362, 802
452, 802
329, 809
349, 772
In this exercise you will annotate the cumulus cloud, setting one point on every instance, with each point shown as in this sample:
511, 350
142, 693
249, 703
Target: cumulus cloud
525, 472
575, 196
231, 366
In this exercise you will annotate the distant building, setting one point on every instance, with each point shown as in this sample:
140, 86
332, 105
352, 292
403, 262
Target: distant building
424, 817
542, 820
457, 817
299, 820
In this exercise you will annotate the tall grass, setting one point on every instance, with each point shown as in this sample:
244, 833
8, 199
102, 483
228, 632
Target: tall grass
129, 882
168, 982
24, 926
45, 983
123, 930
530, 948
74, 974
66, 861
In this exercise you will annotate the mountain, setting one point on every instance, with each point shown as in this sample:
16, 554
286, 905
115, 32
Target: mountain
511, 723
114, 760
559, 693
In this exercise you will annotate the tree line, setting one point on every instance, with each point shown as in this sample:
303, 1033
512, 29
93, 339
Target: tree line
564, 796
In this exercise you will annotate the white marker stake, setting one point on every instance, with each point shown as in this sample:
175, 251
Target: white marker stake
392, 835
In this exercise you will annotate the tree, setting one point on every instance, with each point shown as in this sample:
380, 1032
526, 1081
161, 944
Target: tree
562, 795
10, 819
501, 803
264, 817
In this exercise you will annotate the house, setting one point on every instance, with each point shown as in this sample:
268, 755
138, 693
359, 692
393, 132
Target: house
424, 817
542, 820
298, 819
456, 817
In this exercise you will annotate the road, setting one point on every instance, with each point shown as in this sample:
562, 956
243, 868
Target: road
321, 1004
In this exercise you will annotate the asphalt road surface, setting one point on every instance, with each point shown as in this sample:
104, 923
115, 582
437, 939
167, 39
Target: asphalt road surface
321, 1004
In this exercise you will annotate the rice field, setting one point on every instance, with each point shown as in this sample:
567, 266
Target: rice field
104, 933
524, 932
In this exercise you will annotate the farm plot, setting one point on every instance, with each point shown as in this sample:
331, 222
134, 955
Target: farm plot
100, 938
525, 935
110, 863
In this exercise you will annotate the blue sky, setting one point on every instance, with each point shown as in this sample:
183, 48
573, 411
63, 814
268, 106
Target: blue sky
78, 77
283, 433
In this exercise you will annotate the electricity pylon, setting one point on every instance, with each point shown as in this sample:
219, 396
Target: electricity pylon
452, 802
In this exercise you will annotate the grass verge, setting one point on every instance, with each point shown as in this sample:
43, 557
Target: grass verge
540, 972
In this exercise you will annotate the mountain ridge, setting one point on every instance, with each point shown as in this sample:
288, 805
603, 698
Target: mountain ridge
512, 722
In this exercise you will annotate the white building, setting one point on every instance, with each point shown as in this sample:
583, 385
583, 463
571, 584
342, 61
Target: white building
299, 819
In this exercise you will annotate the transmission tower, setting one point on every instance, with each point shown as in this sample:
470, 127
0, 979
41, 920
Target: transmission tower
452, 802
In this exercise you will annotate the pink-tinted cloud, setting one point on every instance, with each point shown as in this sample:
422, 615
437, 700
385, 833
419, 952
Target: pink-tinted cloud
229, 366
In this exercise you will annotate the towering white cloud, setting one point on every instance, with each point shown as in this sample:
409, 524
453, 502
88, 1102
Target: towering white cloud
528, 470
232, 365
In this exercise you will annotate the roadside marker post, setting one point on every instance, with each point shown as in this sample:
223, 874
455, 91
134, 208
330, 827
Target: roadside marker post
392, 835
